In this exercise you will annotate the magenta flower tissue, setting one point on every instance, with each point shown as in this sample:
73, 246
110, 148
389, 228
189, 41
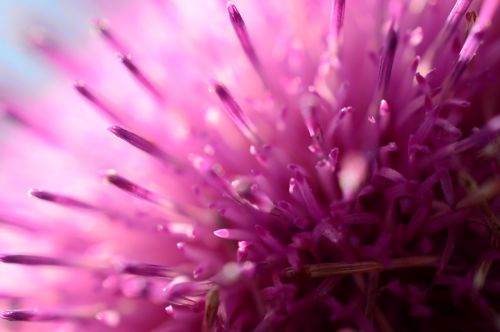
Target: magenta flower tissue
302, 165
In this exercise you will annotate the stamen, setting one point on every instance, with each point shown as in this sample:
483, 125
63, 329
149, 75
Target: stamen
333, 157
234, 234
33, 260
140, 76
473, 41
336, 121
59, 199
214, 174
299, 183
387, 60
337, 17
141, 143
471, 18
269, 239
86, 93
71, 202
182, 287
147, 270
252, 195
237, 115
480, 138
19, 315
325, 169
18, 117
332, 269
311, 119
33, 315
453, 20
128, 186
445, 35
104, 30
241, 31
50, 48
458, 102
124, 184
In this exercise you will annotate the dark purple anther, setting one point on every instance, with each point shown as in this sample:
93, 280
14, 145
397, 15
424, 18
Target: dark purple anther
129, 64
128, 186
241, 32
18, 315
235, 16
59, 199
85, 92
146, 270
32, 315
139, 75
387, 60
33, 260
236, 114
337, 16
139, 142
82, 90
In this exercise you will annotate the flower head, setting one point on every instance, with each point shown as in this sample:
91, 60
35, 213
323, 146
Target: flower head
268, 166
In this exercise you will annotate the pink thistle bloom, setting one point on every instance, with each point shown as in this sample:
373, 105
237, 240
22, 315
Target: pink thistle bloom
301, 165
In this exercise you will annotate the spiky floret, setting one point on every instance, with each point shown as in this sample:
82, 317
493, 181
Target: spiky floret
281, 166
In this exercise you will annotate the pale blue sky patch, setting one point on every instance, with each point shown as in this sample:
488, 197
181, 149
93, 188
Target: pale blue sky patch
67, 20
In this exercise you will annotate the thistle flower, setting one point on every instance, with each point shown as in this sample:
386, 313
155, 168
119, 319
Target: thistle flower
269, 166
